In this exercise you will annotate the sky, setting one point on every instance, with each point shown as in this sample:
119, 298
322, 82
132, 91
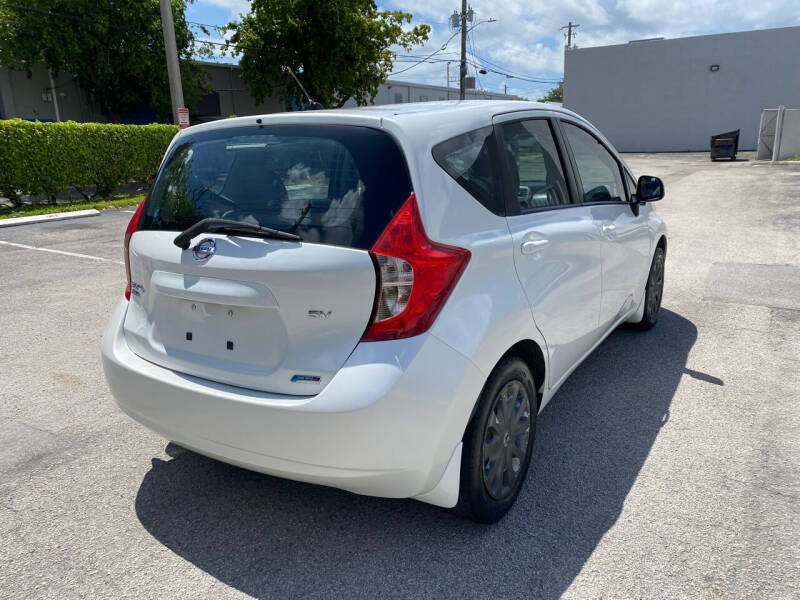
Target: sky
526, 39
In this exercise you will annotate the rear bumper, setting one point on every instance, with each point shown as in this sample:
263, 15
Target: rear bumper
386, 425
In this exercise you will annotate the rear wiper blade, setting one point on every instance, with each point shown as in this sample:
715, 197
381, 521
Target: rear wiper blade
184, 239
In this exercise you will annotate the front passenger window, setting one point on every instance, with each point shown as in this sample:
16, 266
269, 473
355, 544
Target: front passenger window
598, 169
537, 177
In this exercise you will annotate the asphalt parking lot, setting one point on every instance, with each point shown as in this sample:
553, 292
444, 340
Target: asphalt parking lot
668, 466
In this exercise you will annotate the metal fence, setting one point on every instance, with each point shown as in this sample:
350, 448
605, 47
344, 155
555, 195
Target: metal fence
779, 134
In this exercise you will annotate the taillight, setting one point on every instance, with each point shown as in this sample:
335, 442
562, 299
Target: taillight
132, 225
415, 276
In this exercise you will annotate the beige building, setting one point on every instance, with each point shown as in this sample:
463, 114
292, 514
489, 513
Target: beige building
37, 98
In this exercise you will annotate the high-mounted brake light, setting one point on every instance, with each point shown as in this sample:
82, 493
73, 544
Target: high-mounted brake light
415, 276
132, 225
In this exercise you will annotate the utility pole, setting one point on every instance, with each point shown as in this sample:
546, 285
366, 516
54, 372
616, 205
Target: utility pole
463, 71
569, 29
54, 94
173, 68
459, 20
448, 80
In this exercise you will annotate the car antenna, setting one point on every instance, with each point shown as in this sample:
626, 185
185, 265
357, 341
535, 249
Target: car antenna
312, 104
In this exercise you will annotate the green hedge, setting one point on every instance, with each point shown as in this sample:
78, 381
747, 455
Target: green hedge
49, 158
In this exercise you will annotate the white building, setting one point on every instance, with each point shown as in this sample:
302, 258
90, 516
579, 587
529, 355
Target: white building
672, 95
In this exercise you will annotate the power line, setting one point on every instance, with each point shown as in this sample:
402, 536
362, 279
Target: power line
480, 62
487, 64
218, 27
471, 40
440, 49
479, 65
429, 56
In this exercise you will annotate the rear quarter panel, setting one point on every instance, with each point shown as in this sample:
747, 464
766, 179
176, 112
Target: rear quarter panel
487, 312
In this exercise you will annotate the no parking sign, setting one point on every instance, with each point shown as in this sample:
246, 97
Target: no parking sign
183, 118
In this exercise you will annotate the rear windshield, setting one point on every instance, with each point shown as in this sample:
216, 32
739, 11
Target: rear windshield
329, 184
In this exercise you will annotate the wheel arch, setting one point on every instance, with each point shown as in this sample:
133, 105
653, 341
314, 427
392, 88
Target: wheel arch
532, 355
530, 352
662, 243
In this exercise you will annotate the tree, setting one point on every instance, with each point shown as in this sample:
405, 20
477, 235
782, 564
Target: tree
113, 48
554, 95
339, 49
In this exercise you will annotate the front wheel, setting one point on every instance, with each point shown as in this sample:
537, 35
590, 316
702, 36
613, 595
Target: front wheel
498, 443
653, 292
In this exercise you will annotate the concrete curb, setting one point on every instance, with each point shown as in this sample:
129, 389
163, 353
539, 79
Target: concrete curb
74, 214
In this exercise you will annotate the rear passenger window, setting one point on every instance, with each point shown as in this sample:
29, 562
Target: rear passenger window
470, 160
598, 169
536, 174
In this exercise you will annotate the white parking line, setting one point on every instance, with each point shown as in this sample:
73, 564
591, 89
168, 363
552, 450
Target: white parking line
65, 253
129, 211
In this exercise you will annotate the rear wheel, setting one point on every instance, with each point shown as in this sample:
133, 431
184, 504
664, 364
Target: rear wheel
498, 443
653, 292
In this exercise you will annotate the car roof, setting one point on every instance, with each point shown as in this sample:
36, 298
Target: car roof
434, 110
421, 117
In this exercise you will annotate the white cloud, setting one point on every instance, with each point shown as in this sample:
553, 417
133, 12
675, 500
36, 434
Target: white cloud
234, 6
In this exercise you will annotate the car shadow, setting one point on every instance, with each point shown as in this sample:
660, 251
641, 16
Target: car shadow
273, 538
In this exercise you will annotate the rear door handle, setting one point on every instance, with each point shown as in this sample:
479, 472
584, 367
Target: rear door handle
532, 246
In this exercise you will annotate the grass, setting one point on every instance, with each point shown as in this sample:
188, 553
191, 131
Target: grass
28, 210
795, 158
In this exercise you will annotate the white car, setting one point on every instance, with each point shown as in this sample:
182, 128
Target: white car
380, 299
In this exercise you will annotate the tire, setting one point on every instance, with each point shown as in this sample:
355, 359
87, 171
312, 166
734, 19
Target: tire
654, 291
498, 443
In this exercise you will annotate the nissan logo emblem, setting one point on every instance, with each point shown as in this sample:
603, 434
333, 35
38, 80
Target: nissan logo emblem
205, 249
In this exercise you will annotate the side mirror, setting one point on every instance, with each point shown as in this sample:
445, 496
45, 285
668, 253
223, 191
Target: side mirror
649, 189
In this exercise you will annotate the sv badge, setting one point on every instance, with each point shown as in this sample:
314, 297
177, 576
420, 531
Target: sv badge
320, 314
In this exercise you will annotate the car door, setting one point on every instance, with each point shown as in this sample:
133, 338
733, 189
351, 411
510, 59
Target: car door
556, 243
626, 238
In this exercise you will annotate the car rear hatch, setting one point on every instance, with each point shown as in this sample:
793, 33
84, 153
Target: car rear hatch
268, 314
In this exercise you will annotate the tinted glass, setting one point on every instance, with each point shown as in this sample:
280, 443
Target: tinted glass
599, 171
470, 160
329, 184
536, 173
